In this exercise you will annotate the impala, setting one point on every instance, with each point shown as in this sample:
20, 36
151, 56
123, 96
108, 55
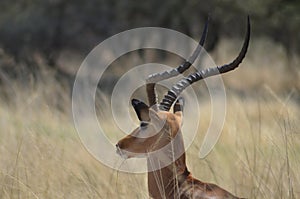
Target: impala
160, 131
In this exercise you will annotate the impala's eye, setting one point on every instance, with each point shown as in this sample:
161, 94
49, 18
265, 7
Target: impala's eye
144, 124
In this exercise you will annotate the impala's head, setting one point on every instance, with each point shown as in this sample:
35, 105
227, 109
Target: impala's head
156, 130
157, 125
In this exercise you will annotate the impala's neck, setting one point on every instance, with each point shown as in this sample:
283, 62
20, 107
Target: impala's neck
165, 182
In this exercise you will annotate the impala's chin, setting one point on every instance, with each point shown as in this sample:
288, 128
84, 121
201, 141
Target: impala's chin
126, 154
121, 153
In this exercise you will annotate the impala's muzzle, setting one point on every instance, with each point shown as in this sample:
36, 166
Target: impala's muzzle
120, 152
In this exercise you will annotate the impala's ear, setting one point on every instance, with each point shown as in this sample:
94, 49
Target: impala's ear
178, 107
141, 109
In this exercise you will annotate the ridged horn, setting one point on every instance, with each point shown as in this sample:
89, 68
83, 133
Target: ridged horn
156, 77
175, 91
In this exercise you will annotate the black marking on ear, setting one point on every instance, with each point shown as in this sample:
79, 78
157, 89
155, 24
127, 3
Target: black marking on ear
141, 109
178, 106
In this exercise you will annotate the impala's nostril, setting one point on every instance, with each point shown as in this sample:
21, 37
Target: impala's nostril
119, 146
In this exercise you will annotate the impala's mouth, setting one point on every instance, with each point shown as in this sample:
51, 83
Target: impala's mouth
121, 153
126, 154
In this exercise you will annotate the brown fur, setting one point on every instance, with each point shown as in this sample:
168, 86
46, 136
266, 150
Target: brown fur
174, 180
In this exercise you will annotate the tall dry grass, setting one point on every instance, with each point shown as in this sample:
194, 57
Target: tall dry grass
257, 155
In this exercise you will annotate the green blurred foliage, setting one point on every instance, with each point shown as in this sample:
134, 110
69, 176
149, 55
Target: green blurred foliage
47, 27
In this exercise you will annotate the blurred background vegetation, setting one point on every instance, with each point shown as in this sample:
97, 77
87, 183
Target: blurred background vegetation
43, 42
35, 33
